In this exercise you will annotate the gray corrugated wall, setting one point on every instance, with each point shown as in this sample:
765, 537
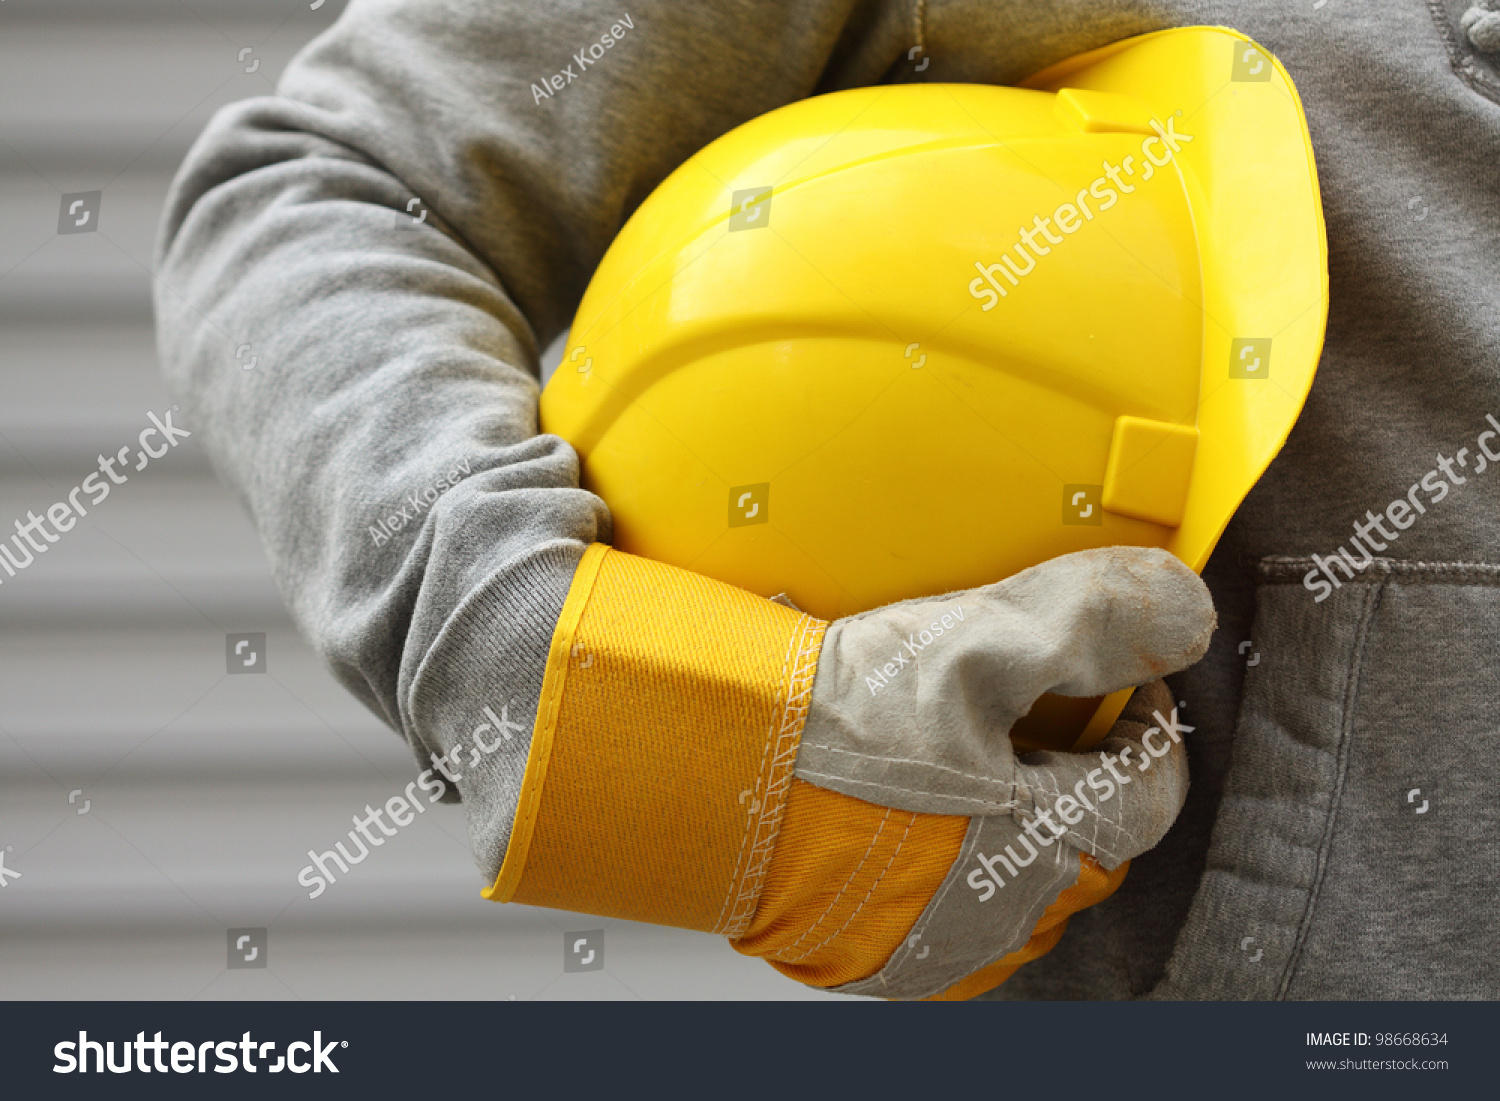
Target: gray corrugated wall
203, 791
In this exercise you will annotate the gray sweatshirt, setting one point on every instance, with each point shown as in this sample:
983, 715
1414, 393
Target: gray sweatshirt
417, 213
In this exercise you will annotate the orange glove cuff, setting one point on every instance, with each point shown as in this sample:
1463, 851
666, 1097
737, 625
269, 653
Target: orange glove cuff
670, 714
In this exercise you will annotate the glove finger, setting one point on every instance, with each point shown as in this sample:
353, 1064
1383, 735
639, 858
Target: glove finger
1093, 622
912, 701
1119, 801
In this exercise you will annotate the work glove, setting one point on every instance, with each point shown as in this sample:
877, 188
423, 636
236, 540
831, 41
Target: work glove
842, 799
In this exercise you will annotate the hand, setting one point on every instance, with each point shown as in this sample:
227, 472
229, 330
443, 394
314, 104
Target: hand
910, 711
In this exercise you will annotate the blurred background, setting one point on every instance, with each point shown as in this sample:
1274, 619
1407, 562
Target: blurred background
155, 807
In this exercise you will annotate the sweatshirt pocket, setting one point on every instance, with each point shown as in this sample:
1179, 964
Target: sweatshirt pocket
1471, 33
1356, 851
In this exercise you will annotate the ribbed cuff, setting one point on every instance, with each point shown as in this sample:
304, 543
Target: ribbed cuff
473, 701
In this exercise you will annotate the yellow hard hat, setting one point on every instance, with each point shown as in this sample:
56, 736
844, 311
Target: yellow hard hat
902, 340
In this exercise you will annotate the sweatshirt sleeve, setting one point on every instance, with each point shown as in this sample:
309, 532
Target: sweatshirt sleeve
395, 235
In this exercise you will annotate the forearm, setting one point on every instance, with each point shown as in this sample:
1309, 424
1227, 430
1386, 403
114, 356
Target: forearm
384, 440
